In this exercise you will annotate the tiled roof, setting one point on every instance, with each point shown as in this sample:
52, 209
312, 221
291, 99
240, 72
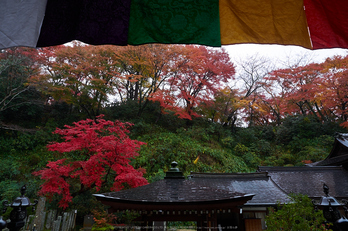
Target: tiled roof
174, 190
203, 187
309, 180
269, 186
265, 190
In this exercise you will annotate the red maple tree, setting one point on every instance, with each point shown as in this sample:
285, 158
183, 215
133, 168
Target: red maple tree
104, 150
319, 90
197, 73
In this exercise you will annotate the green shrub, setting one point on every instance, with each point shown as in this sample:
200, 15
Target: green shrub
163, 148
298, 215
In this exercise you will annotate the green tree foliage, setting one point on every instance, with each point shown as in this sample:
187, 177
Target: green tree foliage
298, 215
22, 153
249, 157
184, 147
304, 127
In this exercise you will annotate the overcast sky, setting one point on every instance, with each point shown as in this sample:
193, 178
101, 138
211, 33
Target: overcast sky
280, 52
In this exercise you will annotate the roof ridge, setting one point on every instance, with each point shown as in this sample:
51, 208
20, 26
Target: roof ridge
298, 168
228, 175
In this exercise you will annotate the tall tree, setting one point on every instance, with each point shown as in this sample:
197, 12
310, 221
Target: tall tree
198, 73
298, 86
143, 70
252, 72
82, 76
225, 108
179, 77
20, 99
17, 66
315, 89
334, 88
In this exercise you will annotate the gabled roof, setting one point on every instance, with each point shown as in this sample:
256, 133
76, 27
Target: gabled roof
339, 152
309, 180
265, 190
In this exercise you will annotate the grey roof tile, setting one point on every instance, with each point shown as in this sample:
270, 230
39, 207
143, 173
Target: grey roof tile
266, 192
174, 190
309, 180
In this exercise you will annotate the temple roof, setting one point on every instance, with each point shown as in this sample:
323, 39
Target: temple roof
265, 190
174, 190
339, 153
256, 189
309, 180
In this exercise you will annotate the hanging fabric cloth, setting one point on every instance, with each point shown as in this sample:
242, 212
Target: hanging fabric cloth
264, 22
175, 22
328, 23
313, 24
89, 21
20, 22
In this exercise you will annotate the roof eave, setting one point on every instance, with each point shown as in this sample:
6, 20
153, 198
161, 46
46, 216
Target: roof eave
120, 204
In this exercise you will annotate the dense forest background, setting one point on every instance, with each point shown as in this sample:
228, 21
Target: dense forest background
187, 103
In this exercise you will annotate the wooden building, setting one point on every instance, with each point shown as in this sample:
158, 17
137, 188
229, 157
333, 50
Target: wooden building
230, 201
214, 201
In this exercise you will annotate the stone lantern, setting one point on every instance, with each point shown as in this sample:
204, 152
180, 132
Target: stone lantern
19, 211
330, 207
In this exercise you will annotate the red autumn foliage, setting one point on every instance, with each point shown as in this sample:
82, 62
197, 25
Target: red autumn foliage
197, 73
104, 149
307, 161
319, 90
103, 219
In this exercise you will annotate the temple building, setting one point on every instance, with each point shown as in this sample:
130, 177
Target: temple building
229, 201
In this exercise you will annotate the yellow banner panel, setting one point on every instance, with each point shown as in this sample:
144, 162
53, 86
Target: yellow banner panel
264, 21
